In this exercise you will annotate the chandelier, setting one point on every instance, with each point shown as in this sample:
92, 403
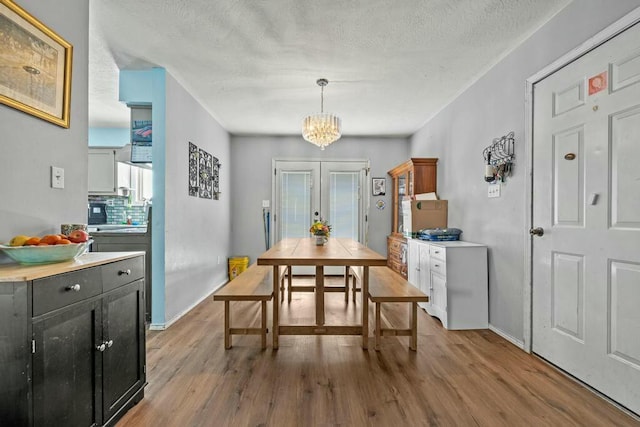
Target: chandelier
322, 128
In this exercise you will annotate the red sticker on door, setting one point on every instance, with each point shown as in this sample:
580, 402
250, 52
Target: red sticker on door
598, 83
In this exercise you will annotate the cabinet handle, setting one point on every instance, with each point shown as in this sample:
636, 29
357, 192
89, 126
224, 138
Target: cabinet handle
436, 252
75, 288
109, 343
436, 265
101, 347
125, 272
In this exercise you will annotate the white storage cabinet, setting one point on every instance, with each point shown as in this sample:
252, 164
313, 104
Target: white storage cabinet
454, 275
106, 175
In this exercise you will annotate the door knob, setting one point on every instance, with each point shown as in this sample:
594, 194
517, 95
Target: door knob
538, 231
101, 347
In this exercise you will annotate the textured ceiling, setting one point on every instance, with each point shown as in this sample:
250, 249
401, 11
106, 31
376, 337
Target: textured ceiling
253, 64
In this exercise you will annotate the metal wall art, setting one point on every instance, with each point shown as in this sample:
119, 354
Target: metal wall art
204, 174
499, 158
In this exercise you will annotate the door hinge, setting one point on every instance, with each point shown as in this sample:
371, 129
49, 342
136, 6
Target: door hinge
33, 346
275, 171
144, 368
366, 218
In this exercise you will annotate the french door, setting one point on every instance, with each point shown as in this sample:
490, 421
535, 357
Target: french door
332, 190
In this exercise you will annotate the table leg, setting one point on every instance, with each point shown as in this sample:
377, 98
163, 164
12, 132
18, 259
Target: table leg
346, 284
365, 306
276, 305
319, 295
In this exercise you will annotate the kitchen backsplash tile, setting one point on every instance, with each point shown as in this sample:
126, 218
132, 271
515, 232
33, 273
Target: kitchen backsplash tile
118, 209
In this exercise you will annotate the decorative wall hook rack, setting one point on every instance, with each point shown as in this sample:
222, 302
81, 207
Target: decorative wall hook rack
499, 158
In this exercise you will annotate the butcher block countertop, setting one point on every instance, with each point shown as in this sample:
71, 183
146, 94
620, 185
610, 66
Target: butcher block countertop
14, 272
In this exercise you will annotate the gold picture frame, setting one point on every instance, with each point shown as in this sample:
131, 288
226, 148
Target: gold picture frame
35, 66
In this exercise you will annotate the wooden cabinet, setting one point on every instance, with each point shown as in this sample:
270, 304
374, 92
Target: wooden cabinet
76, 356
113, 241
106, 175
454, 275
397, 254
415, 176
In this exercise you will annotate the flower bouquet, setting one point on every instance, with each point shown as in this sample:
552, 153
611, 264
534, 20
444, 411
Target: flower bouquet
321, 229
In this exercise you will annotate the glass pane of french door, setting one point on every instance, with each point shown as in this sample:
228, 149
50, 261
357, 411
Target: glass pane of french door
296, 198
341, 200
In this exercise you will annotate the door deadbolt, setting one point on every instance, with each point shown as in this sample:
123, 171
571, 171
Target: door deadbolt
538, 231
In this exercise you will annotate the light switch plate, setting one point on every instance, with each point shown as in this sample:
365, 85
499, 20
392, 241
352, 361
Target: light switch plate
57, 177
265, 203
494, 190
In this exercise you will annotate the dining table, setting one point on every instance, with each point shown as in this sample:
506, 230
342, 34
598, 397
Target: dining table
335, 252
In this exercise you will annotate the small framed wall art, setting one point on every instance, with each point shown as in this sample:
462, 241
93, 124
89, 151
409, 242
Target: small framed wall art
378, 187
35, 76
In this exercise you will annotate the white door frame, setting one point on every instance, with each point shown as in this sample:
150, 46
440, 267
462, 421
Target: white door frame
603, 36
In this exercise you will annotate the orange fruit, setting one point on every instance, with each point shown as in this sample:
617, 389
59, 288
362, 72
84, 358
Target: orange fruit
42, 244
62, 236
32, 241
63, 242
50, 239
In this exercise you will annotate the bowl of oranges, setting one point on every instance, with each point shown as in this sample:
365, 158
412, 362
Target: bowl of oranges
46, 249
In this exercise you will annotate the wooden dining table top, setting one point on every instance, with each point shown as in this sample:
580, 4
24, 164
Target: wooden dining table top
337, 251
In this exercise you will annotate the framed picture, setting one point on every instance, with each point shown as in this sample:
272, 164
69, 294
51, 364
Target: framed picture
35, 76
379, 186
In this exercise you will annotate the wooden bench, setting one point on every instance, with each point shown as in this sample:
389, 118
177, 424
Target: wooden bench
385, 285
253, 284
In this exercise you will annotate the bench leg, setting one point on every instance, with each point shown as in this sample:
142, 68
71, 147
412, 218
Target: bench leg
227, 326
378, 326
264, 325
413, 317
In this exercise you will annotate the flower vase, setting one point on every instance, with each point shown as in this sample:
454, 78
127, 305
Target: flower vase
321, 240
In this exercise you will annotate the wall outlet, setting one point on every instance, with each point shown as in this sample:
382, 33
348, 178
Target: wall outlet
494, 190
218, 259
265, 203
57, 177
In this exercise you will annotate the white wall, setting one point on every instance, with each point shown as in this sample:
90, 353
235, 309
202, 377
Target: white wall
251, 177
490, 108
30, 146
197, 231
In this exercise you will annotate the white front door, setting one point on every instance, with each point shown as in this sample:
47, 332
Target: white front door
586, 201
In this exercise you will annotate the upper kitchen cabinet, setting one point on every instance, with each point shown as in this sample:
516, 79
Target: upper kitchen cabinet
106, 175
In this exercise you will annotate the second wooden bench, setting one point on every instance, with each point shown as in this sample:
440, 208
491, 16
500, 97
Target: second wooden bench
253, 284
385, 286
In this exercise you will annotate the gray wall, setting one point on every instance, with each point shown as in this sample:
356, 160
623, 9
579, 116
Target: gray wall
490, 108
251, 176
196, 229
30, 146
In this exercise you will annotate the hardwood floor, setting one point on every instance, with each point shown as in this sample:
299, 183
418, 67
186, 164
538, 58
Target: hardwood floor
455, 378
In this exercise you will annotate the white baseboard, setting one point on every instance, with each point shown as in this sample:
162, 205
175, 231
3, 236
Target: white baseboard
518, 343
166, 325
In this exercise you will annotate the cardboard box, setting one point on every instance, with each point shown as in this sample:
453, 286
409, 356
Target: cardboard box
420, 214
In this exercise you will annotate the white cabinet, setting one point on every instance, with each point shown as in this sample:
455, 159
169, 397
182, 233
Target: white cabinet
418, 255
106, 175
454, 275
